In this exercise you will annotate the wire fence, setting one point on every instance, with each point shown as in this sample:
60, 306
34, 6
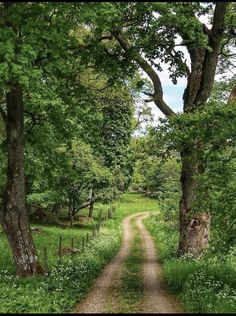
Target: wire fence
83, 242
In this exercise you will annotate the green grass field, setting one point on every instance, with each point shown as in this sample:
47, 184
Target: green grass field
69, 280
205, 285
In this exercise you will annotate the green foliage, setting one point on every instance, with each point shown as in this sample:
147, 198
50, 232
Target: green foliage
69, 281
208, 130
30, 33
152, 28
67, 100
205, 285
79, 89
155, 176
207, 126
227, 56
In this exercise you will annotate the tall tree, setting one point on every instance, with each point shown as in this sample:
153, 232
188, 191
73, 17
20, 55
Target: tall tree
31, 33
148, 35
13, 216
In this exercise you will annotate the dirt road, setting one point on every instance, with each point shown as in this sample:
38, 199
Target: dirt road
157, 299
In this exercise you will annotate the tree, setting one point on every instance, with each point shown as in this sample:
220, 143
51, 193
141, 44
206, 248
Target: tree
209, 128
79, 113
147, 34
31, 34
108, 122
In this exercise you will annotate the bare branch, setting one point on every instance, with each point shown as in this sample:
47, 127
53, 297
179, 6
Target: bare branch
148, 94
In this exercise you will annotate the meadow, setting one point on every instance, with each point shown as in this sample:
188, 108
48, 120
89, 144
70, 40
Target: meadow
70, 278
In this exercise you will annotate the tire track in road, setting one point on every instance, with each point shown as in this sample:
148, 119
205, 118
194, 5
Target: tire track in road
158, 300
156, 297
96, 299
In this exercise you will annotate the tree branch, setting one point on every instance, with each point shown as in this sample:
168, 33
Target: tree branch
135, 55
106, 37
148, 94
86, 204
35, 120
211, 57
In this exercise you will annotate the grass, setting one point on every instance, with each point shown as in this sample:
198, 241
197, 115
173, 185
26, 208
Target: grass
206, 285
68, 281
130, 293
49, 237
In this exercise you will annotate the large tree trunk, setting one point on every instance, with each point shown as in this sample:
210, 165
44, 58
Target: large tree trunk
194, 226
14, 217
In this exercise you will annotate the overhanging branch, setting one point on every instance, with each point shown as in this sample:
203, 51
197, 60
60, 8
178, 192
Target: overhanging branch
135, 55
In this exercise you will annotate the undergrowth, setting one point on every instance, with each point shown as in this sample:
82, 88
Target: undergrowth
206, 285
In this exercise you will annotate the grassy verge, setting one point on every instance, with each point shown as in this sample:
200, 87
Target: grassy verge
206, 285
68, 281
130, 293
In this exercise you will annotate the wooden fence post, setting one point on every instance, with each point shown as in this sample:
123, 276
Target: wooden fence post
99, 220
72, 246
60, 246
83, 243
45, 256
